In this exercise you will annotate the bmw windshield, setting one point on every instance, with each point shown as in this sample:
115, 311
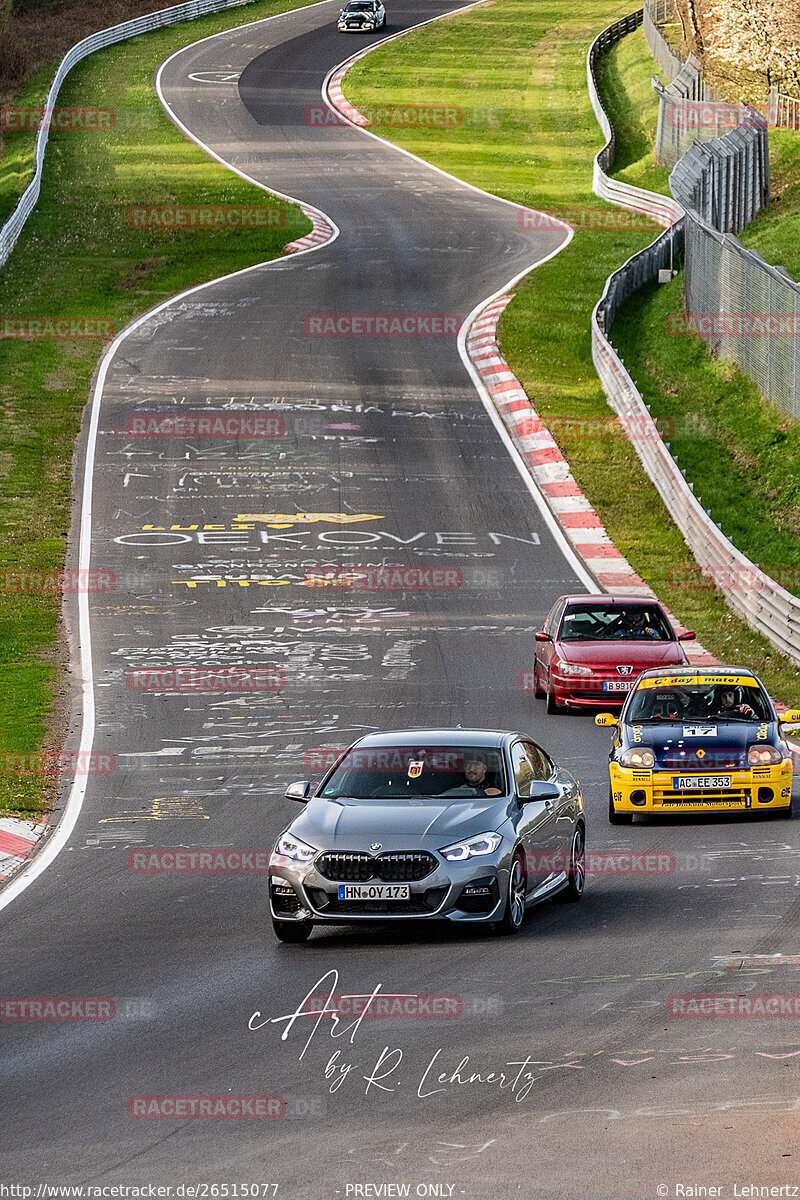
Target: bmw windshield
418, 772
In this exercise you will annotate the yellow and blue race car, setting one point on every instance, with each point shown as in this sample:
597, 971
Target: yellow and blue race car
699, 739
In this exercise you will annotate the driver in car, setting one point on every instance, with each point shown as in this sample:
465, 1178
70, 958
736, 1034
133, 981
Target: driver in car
726, 705
475, 771
631, 624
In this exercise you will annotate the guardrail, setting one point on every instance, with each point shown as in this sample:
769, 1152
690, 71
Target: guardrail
96, 41
661, 208
759, 600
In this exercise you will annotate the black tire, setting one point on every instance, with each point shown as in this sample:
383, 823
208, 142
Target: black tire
552, 707
572, 893
538, 690
514, 915
292, 931
617, 818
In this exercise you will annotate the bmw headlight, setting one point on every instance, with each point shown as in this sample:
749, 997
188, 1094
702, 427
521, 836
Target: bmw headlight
484, 843
293, 848
637, 756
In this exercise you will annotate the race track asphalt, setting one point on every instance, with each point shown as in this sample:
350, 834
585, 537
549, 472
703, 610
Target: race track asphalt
390, 433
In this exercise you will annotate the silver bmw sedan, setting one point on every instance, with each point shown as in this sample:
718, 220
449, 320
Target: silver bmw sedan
458, 824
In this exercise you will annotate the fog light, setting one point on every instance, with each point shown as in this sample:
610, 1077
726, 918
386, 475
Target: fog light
479, 887
638, 797
765, 795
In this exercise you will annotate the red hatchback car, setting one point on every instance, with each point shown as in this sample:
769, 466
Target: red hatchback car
593, 648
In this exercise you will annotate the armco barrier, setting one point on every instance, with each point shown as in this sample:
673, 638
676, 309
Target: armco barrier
765, 606
661, 208
96, 41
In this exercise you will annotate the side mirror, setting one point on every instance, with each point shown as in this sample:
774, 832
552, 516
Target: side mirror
541, 636
687, 636
790, 719
298, 791
540, 791
606, 719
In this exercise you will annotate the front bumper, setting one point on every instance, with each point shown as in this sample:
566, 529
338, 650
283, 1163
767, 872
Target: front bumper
357, 28
750, 790
581, 691
473, 891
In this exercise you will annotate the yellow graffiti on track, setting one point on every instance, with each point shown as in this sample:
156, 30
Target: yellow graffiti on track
287, 520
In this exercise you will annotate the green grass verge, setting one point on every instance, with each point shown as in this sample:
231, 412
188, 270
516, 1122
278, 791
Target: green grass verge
775, 232
742, 454
538, 150
625, 74
16, 162
79, 256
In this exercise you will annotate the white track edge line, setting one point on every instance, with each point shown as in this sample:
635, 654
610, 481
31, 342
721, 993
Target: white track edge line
570, 553
567, 549
353, 58
77, 794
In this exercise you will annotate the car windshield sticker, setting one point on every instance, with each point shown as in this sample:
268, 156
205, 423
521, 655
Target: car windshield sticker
699, 731
415, 766
667, 681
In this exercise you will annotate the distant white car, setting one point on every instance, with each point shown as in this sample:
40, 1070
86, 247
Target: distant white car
359, 16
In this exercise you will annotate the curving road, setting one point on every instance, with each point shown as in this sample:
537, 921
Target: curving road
614, 1098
